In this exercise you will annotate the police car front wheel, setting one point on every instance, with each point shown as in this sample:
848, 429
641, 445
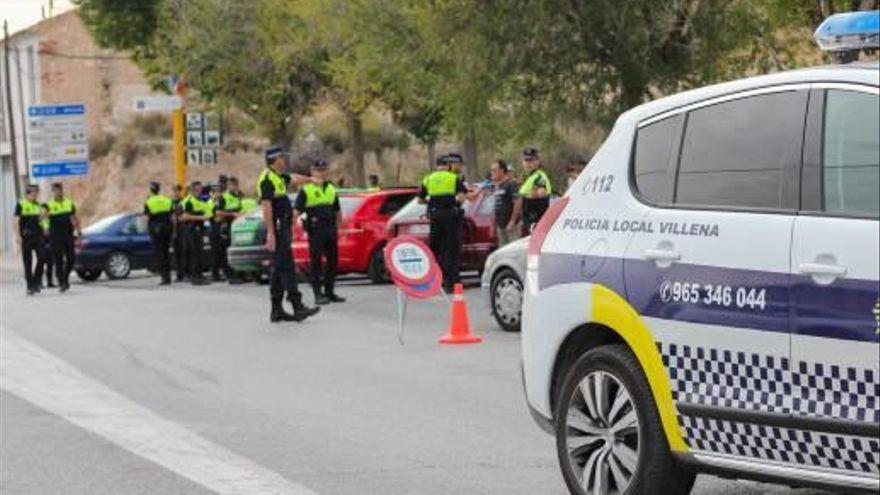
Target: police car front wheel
609, 439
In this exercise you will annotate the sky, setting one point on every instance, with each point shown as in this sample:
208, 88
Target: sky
24, 13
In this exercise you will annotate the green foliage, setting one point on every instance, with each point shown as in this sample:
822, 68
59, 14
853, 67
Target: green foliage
493, 73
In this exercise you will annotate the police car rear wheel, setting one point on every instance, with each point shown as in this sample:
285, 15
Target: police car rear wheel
117, 265
609, 440
507, 296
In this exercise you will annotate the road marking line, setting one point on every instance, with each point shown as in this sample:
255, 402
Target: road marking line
43, 379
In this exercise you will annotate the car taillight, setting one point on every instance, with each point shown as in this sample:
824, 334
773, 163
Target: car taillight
542, 228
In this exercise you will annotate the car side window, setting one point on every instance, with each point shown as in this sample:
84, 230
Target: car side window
735, 153
487, 205
393, 203
851, 153
653, 159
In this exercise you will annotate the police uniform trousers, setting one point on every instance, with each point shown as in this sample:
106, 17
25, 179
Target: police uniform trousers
323, 245
283, 276
179, 242
63, 254
445, 242
160, 234
194, 250
32, 256
219, 243
48, 262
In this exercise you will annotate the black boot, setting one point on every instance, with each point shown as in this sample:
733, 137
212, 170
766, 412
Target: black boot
300, 310
278, 314
321, 299
331, 296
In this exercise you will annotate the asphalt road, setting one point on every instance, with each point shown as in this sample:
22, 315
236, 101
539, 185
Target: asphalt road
125, 387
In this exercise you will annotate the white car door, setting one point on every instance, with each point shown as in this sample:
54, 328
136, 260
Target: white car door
711, 276
835, 264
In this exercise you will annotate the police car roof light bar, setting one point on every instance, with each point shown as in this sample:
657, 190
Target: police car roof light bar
850, 31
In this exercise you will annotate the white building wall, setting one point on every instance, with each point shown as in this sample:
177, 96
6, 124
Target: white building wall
24, 84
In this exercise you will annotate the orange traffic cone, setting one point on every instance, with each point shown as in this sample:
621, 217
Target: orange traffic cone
459, 327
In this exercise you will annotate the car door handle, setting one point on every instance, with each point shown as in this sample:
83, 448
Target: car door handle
822, 269
662, 255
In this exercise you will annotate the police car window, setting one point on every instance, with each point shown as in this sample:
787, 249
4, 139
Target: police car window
851, 153
348, 204
734, 153
654, 144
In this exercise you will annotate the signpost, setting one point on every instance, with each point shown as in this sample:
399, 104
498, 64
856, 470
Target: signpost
57, 140
158, 103
202, 138
414, 271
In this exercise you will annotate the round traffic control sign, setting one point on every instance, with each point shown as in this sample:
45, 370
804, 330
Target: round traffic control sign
409, 260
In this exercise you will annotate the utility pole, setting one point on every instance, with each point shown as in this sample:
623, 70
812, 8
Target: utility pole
21, 110
12, 137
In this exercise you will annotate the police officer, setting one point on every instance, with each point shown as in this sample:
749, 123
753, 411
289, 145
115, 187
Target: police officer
534, 194
444, 191
215, 237
278, 216
193, 216
226, 209
158, 209
320, 203
64, 229
177, 236
48, 265
29, 235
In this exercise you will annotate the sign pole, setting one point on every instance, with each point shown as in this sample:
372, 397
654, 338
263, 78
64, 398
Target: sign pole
13, 140
401, 314
179, 135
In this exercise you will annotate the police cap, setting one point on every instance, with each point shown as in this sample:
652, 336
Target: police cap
154, 186
530, 153
454, 158
442, 160
272, 153
320, 164
57, 185
32, 188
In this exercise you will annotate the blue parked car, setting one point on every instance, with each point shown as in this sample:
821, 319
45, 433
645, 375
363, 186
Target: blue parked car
114, 245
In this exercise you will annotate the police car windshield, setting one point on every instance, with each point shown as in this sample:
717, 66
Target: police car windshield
102, 224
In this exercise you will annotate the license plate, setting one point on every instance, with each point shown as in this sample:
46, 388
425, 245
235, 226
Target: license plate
240, 238
419, 229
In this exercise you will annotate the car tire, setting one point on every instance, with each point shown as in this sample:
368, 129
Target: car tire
506, 296
88, 274
377, 271
117, 265
624, 446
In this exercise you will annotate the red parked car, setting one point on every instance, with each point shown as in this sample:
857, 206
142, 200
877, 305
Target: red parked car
363, 233
478, 234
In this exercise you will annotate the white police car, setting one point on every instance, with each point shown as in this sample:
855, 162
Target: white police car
706, 296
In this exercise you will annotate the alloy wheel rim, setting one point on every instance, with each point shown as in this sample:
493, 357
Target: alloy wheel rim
602, 435
119, 264
508, 300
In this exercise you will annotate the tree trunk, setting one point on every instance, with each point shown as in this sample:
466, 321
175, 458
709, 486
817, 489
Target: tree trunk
356, 132
432, 152
470, 156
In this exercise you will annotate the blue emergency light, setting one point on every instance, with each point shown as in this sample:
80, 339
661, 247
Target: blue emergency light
852, 31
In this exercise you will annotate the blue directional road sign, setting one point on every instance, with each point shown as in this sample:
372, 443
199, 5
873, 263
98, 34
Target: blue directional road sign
57, 141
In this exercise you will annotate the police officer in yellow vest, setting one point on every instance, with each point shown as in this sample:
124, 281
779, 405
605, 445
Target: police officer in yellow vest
444, 191
158, 209
64, 229
534, 194
194, 213
227, 207
320, 203
278, 217
29, 236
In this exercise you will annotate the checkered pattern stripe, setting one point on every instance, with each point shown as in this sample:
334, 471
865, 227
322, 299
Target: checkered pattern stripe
725, 378
859, 454
837, 392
